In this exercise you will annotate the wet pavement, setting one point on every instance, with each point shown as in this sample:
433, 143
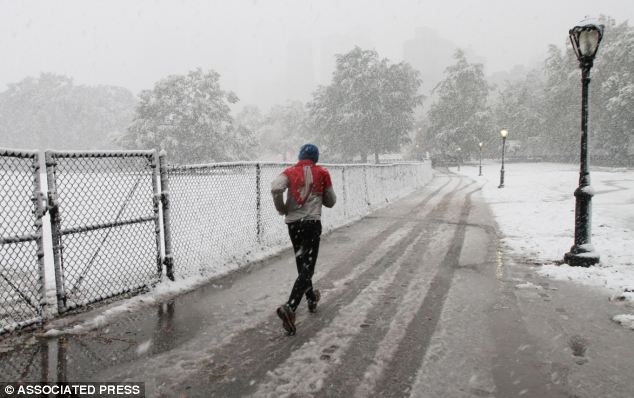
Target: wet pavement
419, 299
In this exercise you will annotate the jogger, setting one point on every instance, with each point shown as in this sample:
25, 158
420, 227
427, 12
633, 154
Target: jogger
309, 187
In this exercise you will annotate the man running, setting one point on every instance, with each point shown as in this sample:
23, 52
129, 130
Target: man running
309, 187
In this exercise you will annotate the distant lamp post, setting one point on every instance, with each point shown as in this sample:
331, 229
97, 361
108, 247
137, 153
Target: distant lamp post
480, 145
503, 133
458, 155
585, 39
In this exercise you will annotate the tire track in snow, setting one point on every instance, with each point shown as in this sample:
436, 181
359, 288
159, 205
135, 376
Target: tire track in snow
406, 294
334, 280
375, 343
387, 348
337, 273
400, 373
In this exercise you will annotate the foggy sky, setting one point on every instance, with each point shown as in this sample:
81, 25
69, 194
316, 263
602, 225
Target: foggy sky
135, 43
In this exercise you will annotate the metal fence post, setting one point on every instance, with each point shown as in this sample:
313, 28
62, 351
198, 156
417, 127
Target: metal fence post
39, 210
165, 200
365, 185
53, 204
156, 203
344, 192
258, 199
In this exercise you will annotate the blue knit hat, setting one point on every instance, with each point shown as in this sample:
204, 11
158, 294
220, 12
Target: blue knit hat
310, 152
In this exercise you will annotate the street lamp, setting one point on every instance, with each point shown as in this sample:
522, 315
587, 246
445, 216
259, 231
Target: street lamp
480, 145
585, 39
503, 133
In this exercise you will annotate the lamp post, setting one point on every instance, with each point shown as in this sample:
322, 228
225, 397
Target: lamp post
480, 145
503, 133
458, 156
585, 39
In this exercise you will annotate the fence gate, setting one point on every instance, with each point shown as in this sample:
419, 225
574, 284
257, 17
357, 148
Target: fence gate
104, 209
21, 254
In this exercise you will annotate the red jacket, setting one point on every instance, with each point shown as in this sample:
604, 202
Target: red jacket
309, 187
302, 184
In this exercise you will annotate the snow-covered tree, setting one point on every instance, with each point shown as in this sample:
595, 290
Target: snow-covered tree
189, 116
368, 108
250, 117
518, 108
50, 111
459, 118
561, 104
284, 130
612, 92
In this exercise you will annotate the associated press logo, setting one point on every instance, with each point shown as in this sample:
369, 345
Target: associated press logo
73, 389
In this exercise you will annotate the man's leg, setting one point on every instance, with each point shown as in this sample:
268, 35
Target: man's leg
306, 258
295, 233
313, 251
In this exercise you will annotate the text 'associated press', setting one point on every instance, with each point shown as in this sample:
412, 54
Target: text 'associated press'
95, 390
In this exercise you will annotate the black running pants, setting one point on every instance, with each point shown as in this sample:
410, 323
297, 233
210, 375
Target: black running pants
305, 236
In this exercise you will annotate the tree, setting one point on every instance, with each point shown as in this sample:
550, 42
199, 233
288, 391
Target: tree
561, 104
460, 118
612, 93
283, 130
250, 117
189, 117
50, 111
367, 108
519, 110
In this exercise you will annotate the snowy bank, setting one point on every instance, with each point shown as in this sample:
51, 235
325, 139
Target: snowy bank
535, 213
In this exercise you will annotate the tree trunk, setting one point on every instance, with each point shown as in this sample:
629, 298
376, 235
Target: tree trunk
376, 157
364, 157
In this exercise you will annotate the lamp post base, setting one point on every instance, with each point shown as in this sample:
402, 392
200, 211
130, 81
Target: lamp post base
579, 257
501, 178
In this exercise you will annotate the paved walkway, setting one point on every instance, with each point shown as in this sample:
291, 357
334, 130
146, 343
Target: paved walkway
418, 299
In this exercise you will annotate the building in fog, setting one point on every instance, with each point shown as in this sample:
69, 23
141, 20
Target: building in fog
430, 54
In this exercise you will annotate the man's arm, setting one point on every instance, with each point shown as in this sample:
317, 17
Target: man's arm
329, 198
278, 186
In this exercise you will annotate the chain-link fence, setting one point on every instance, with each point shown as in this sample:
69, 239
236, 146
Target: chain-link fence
105, 223
214, 212
222, 214
21, 254
106, 234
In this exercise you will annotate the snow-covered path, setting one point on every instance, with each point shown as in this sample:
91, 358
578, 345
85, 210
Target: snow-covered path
419, 299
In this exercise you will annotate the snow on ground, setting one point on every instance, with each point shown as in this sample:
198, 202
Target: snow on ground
625, 320
95, 319
535, 212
